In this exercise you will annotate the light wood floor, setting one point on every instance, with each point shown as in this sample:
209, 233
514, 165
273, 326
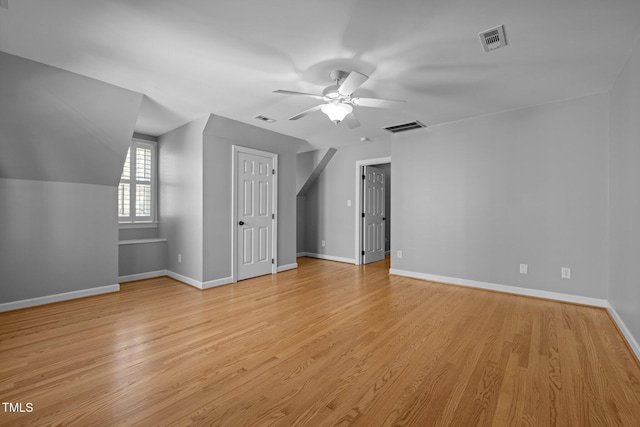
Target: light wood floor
326, 344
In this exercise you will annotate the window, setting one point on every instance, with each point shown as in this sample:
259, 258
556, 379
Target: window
137, 189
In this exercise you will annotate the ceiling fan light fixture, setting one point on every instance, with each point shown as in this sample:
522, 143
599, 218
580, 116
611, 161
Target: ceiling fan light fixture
336, 111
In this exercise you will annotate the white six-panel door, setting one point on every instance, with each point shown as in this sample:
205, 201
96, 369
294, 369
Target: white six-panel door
374, 217
254, 214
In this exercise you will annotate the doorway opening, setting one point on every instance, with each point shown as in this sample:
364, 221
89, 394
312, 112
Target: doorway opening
367, 225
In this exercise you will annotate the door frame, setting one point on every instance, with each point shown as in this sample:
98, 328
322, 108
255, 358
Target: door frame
358, 200
234, 201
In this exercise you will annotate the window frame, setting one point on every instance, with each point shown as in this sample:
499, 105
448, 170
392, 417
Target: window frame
134, 221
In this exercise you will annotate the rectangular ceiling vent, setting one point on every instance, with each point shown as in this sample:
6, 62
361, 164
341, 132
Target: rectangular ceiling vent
404, 127
493, 38
264, 119
4, 3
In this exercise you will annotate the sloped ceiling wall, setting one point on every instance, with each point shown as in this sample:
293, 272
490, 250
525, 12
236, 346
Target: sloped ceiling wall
59, 126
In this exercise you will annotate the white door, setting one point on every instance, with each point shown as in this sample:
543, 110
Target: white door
254, 213
373, 221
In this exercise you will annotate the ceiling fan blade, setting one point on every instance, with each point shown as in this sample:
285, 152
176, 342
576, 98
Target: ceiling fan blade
375, 102
352, 121
306, 112
353, 81
289, 92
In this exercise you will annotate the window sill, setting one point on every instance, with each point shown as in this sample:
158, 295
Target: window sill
137, 225
140, 241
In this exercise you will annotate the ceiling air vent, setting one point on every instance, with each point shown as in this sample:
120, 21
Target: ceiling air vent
404, 127
265, 119
4, 3
493, 38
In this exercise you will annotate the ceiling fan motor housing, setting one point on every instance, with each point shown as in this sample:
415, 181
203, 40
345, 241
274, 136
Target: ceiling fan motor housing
331, 92
337, 75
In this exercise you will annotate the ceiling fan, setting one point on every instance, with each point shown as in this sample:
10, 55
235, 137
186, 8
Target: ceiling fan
339, 100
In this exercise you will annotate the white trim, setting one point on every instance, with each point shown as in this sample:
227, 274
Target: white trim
274, 221
234, 234
299, 254
132, 220
217, 282
184, 279
130, 224
234, 189
358, 209
287, 267
576, 299
32, 302
140, 241
198, 284
329, 257
142, 276
625, 331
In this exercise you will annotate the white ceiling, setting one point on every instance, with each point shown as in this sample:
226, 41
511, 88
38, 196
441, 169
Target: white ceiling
194, 57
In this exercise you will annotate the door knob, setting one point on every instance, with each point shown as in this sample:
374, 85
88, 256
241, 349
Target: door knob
241, 223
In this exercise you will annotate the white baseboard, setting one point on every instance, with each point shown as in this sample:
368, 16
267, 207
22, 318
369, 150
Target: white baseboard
328, 257
184, 279
217, 282
625, 331
299, 254
198, 284
142, 276
576, 299
287, 267
32, 302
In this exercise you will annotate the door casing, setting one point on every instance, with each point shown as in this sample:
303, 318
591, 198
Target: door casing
358, 200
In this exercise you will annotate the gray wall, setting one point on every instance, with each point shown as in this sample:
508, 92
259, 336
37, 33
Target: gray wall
180, 174
300, 224
219, 137
305, 163
624, 166
195, 193
56, 237
327, 216
60, 126
138, 233
63, 141
474, 199
141, 258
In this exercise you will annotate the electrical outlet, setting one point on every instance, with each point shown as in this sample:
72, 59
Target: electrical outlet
179, 258
524, 268
565, 273
399, 254
348, 202
323, 243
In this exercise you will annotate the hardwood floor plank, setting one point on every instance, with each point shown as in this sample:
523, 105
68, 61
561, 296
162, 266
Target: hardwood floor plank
325, 344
